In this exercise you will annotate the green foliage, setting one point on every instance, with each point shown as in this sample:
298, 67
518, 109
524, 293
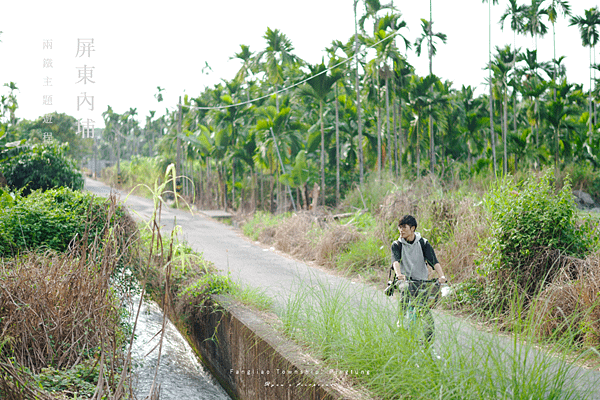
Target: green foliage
80, 379
50, 219
199, 291
532, 216
371, 195
41, 167
369, 252
585, 177
142, 171
261, 221
209, 284
363, 254
299, 174
530, 225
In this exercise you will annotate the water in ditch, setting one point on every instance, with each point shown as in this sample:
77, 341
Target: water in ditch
180, 374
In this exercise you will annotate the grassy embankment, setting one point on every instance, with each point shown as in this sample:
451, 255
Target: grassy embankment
521, 258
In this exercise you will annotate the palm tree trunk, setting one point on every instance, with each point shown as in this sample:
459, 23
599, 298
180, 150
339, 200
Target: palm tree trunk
537, 128
505, 131
272, 182
431, 139
233, 182
118, 153
595, 120
178, 160
515, 89
379, 160
322, 153
395, 113
431, 143
556, 151
254, 189
492, 135
400, 139
590, 101
337, 148
418, 145
554, 60
358, 109
387, 121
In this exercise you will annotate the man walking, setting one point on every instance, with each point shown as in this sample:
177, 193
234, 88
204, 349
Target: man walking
411, 254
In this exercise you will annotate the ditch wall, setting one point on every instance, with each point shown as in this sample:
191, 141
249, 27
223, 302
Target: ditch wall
252, 361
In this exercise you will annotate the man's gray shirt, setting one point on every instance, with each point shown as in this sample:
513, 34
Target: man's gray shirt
414, 257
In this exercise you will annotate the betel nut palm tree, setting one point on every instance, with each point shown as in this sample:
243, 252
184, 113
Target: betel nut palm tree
277, 55
319, 86
588, 28
427, 33
555, 8
491, 94
517, 25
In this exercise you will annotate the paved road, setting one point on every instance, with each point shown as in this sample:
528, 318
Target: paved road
248, 262
279, 275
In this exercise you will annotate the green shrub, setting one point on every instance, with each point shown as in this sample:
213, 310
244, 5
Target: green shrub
81, 379
41, 167
209, 284
531, 226
50, 219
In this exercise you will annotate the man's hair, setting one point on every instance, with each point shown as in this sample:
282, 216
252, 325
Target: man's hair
408, 220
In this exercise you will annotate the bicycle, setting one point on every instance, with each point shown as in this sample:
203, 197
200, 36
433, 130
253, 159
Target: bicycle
417, 299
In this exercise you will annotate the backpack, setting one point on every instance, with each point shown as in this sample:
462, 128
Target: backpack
389, 291
421, 242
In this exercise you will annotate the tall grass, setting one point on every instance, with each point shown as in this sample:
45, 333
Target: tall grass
455, 219
262, 225
357, 332
140, 173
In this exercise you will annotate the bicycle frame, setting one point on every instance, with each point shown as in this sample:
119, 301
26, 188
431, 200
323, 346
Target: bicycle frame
417, 299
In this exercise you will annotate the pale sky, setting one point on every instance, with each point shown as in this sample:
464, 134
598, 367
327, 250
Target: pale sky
140, 45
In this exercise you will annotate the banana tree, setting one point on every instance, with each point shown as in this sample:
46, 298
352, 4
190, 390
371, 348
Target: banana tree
298, 177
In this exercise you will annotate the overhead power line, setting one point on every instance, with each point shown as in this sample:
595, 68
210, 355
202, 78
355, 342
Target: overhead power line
287, 87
